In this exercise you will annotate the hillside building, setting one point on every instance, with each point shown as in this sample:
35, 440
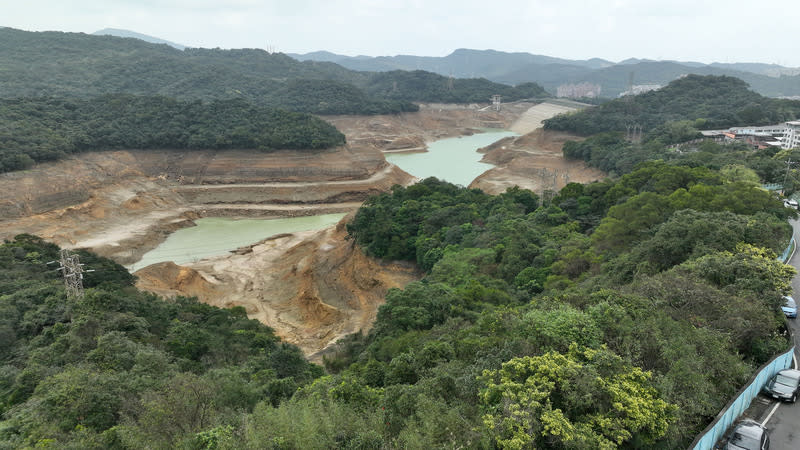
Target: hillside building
580, 90
637, 89
785, 135
791, 136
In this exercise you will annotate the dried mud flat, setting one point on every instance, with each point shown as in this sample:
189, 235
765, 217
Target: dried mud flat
533, 161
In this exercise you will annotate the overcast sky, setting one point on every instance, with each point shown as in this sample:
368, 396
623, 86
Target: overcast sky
765, 31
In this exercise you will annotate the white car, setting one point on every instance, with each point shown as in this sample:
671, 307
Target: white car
748, 435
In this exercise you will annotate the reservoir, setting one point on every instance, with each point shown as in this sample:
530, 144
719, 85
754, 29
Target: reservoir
453, 159
216, 236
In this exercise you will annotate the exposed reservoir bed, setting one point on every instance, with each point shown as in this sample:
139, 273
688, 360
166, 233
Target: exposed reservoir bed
453, 159
216, 236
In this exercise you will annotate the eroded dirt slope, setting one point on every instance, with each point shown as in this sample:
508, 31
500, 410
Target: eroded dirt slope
121, 204
311, 287
409, 132
533, 161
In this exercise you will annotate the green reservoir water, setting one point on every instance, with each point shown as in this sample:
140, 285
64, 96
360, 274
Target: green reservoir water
453, 159
216, 236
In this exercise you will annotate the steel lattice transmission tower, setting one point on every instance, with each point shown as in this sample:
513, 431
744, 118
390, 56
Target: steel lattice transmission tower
496, 102
73, 274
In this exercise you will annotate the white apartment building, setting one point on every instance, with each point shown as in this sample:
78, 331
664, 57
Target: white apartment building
775, 130
785, 135
791, 135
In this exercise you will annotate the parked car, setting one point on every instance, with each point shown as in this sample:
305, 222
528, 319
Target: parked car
789, 307
784, 385
789, 203
748, 435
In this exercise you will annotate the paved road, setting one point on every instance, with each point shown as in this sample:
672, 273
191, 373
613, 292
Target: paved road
784, 424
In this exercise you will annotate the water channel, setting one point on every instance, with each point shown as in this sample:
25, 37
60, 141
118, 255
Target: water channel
454, 159
215, 236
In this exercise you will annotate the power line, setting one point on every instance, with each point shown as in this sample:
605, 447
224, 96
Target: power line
786, 177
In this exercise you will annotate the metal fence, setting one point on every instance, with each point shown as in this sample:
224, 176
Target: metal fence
788, 252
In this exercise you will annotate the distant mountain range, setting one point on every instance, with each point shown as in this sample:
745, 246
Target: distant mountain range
59, 64
512, 68
611, 78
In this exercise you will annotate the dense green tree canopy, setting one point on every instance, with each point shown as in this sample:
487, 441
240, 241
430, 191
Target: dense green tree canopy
514, 283
674, 115
80, 65
118, 367
41, 129
421, 86
689, 103
584, 399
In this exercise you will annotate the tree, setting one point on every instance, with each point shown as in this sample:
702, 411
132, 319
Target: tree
183, 407
72, 397
738, 172
691, 234
585, 398
629, 222
748, 268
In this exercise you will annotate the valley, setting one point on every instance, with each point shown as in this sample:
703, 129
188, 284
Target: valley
311, 287
233, 248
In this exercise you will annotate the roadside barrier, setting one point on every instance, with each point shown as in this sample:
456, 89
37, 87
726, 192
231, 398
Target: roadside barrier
787, 254
735, 408
716, 429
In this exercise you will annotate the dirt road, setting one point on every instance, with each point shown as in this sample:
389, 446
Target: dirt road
532, 119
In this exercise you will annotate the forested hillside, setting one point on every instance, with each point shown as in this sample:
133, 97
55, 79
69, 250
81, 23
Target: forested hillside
120, 368
79, 65
421, 86
712, 102
676, 114
616, 79
525, 327
529, 330
42, 129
